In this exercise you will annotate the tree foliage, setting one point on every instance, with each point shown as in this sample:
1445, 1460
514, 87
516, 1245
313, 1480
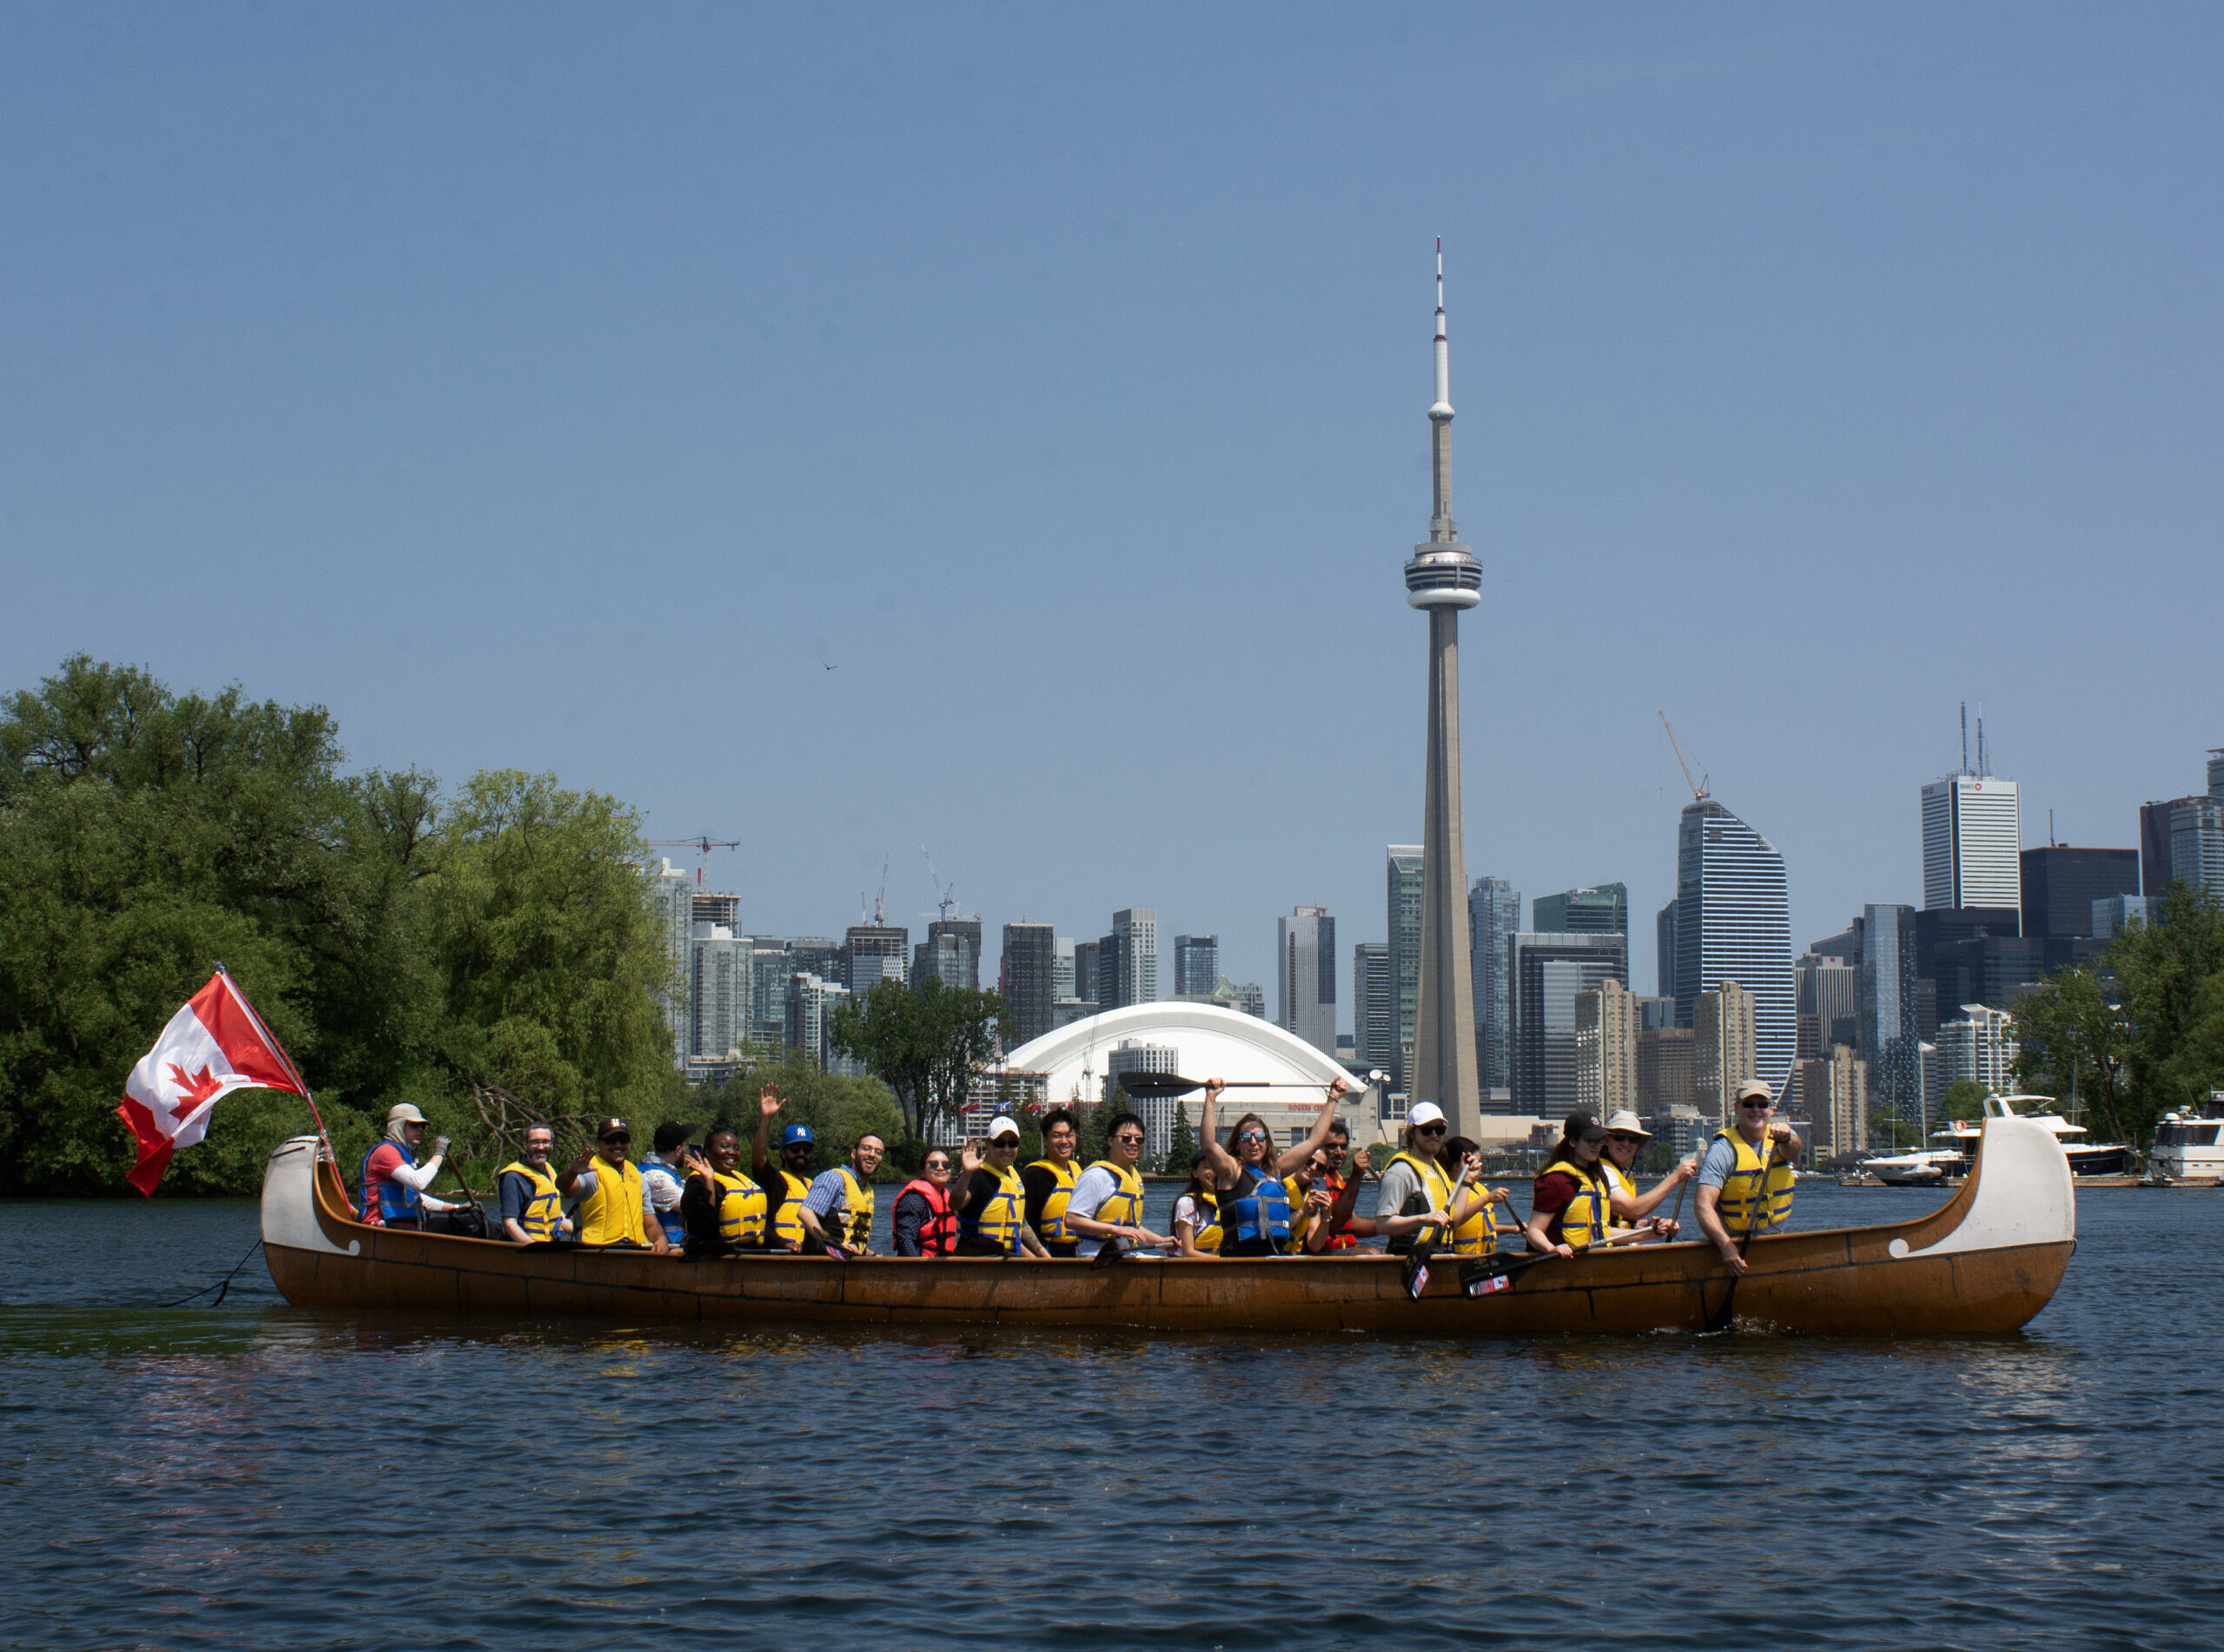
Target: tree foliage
1182, 1144
2155, 1043
927, 1043
145, 835
1964, 1099
837, 1109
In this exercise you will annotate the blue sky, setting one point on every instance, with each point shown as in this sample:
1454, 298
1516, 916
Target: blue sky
569, 389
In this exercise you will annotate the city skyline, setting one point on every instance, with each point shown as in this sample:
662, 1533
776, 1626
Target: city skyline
1759, 300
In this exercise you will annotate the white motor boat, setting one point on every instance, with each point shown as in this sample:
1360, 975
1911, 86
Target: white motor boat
1925, 1167
2188, 1147
2085, 1158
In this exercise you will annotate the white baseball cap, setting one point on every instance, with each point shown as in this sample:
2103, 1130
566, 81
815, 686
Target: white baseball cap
1425, 1113
402, 1113
1002, 1125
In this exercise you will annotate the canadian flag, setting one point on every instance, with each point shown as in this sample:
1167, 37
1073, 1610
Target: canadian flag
215, 1045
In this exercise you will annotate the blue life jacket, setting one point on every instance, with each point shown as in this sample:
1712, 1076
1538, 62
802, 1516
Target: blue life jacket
1254, 1215
399, 1207
674, 1229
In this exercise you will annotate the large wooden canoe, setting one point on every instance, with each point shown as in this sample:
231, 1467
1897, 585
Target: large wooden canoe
1985, 1262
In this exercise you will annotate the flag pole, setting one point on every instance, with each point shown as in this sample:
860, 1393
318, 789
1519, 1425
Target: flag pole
271, 1038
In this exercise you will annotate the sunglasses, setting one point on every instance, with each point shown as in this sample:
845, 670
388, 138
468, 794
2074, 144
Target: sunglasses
935, 1164
1623, 1137
1756, 1106
622, 1141
1430, 1130
1128, 1140
1004, 1144
1253, 1135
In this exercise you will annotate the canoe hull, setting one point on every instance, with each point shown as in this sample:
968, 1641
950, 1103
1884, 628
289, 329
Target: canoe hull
1982, 1263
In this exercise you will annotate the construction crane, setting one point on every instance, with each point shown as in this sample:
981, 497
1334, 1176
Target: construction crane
878, 900
1698, 786
947, 892
701, 845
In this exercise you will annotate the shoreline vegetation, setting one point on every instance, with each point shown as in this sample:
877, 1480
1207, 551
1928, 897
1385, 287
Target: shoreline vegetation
490, 952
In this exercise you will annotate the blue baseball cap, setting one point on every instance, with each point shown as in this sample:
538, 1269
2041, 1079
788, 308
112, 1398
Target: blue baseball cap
796, 1133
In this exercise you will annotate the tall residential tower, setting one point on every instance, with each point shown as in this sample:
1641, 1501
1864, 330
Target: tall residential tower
1442, 576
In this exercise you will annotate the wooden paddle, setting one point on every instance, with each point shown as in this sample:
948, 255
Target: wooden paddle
1160, 1086
1477, 1273
1720, 1319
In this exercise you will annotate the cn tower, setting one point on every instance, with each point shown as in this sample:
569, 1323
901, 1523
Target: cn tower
1441, 578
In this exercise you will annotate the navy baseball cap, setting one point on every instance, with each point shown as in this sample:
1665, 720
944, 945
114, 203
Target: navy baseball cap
796, 1133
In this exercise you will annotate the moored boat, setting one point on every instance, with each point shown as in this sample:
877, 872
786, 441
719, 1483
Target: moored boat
1987, 1260
2188, 1150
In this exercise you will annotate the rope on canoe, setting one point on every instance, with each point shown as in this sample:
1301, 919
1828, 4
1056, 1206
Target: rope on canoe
222, 1285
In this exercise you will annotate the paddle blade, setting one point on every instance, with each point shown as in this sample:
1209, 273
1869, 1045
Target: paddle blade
1107, 1254
1415, 1275
1153, 1087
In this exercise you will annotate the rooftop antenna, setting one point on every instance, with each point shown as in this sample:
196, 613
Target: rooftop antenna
1965, 736
1984, 770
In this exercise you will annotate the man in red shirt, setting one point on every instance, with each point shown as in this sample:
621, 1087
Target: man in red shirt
1339, 1230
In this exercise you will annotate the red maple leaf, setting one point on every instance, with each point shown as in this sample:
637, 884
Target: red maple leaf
193, 1091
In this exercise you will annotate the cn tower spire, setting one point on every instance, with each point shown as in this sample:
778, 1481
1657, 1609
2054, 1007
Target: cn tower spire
1442, 576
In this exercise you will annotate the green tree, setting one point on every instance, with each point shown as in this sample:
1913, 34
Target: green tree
550, 954
1964, 1099
1182, 1144
144, 836
1894, 1132
837, 1109
927, 1043
2073, 1042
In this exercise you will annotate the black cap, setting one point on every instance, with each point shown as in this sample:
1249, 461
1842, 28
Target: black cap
670, 1135
1581, 1126
612, 1127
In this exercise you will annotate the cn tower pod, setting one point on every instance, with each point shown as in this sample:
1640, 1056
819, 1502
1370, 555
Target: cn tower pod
1443, 575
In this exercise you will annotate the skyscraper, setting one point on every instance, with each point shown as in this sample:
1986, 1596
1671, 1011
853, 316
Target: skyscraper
951, 953
1733, 922
1890, 1039
1085, 972
1724, 1049
875, 952
1494, 914
721, 983
1971, 842
1663, 943
1196, 965
1605, 1048
1025, 978
1826, 998
1305, 974
1442, 576
2060, 883
770, 966
1603, 909
1373, 1025
672, 893
2197, 843
1404, 900
1549, 971
1062, 968
1135, 931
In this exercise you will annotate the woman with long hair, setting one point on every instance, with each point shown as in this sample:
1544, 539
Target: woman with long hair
1196, 1213
1247, 1173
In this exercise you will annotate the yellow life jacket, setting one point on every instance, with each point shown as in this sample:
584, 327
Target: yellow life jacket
787, 1220
1207, 1239
1591, 1213
1616, 1181
1050, 1227
1478, 1234
858, 1196
612, 1212
1123, 1205
1301, 1219
1740, 1186
1003, 1217
1435, 1185
741, 1210
544, 1212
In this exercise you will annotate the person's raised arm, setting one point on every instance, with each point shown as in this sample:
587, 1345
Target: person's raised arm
1340, 1213
1644, 1204
768, 1103
573, 1171
1226, 1172
1321, 1124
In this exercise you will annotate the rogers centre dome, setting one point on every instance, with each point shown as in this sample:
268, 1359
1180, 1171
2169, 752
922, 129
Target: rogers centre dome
1199, 1041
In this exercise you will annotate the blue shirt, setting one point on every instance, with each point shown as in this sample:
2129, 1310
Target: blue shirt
829, 1197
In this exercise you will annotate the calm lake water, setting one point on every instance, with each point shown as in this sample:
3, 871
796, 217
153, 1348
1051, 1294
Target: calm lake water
249, 1476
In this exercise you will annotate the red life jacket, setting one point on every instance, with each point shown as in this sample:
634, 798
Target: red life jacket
938, 1233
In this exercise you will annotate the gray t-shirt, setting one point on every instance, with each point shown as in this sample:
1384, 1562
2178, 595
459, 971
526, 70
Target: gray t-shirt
1721, 1158
1096, 1185
1400, 1185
